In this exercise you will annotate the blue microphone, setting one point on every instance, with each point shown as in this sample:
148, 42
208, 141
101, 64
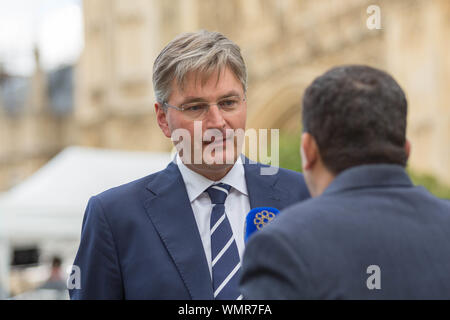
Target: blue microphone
257, 218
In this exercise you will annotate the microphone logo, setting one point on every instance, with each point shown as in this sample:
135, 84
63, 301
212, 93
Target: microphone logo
262, 218
257, 218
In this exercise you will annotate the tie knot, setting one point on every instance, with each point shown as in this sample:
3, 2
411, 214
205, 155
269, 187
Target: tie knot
218, 193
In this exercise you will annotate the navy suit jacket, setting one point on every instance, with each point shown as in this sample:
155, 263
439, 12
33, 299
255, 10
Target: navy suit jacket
140, 240
369, 215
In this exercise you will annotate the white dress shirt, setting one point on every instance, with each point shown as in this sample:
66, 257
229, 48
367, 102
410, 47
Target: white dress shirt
237, 203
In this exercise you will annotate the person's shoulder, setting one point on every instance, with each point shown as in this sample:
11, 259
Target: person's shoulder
269, 170
307, 214
421, 190
129, 187
126, 192
290, 174
426, 198
334, 210
309, 209
294, 182
286, 177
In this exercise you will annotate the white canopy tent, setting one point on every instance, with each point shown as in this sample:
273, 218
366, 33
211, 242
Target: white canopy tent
48, 207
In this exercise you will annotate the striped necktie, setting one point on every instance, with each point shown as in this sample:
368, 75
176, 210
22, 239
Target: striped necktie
224, 253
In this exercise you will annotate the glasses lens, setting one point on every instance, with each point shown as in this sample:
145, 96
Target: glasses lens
196, 110
229, 104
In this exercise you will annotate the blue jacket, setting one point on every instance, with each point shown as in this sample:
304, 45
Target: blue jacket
327, 247
140, 240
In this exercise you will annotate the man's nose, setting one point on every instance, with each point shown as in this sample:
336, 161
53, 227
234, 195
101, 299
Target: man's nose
214, 118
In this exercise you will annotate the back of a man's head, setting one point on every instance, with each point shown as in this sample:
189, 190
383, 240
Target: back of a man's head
357, 115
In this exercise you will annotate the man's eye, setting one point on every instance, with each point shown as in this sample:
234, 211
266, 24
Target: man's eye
228, 103
197, 107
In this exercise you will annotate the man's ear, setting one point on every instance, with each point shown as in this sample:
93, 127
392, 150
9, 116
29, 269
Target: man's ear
407, 148
309, 151
161, 117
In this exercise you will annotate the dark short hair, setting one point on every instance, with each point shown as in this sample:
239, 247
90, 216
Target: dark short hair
357, 115
56, 262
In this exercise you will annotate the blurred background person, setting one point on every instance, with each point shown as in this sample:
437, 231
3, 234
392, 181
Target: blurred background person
57, 279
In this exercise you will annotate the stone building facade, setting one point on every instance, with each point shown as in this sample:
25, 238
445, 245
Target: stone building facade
286, 43
35, 121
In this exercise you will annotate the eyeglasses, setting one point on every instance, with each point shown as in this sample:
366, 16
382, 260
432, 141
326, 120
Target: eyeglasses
198, 110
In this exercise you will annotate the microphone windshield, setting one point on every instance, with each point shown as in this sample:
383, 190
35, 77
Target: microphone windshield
257, 218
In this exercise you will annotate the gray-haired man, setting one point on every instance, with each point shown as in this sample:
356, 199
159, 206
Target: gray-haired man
178, 233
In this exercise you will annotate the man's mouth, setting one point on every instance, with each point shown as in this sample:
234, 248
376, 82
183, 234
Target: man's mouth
219, 141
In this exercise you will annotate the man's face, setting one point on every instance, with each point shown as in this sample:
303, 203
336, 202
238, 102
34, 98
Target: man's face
213, 90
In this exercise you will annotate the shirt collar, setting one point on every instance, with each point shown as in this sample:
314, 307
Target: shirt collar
196, 184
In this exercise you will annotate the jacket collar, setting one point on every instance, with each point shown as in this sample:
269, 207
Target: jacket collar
170, 211
262, 189
366, 176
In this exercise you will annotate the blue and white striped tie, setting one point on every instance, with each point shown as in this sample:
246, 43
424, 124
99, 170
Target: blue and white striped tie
225, 259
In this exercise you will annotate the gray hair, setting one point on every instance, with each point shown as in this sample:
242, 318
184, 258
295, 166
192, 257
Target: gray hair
203, 52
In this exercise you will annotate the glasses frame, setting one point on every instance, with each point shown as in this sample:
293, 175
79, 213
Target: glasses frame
181, 109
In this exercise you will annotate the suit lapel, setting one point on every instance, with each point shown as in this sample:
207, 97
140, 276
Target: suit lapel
171, 213
262, 189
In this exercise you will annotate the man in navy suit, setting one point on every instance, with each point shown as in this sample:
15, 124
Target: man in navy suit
178, 233
368, 232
